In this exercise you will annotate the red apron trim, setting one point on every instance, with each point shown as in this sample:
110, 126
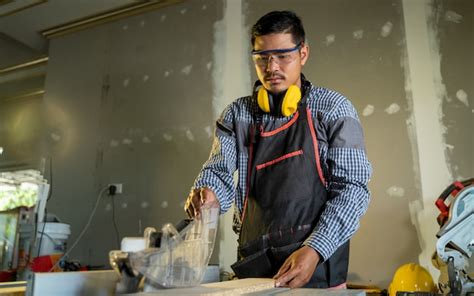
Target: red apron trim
281, 128
271, 162
315, 145
249, 171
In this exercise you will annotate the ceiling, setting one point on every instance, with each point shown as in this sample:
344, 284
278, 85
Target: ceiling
27, 25
23, 20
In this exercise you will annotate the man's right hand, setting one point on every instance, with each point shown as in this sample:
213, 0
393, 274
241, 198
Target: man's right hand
200, 197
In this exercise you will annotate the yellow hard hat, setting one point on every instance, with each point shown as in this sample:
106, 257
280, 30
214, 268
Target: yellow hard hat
411, 277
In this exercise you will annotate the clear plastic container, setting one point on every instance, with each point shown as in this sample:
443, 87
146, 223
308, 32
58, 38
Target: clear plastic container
182, 258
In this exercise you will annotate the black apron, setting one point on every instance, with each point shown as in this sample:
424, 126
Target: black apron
284, 201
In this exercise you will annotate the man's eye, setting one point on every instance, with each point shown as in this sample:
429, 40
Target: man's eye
283, 57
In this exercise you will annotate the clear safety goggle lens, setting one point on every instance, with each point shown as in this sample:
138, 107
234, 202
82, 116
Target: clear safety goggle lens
280, 56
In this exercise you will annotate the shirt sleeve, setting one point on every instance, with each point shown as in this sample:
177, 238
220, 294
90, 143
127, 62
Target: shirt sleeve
217, 172
348, 174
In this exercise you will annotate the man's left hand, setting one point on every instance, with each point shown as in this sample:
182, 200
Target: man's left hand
298, 268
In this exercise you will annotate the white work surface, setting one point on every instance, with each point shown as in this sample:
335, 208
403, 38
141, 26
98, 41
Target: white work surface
102, 283
249, 287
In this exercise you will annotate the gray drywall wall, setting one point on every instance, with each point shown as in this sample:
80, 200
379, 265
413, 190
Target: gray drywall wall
129, 102
21, 129
453, 21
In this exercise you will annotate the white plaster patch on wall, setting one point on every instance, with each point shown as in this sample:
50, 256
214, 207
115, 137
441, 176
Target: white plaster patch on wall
423, 68
167, 137
462, 97
458, 176
204, 7
164, 204
163, 18
208, 131
396, 191
443, 129
218, 72
142, 24
189, 135
126, 82
392, 109
108, 207
330, 39
1, 150
146, 140
386, 29
167, 73
187, 70
127, 141
125, 27
144, 205
56, 137
449, 147
114, 143
231, 79
208, 66
183, 11
145, 78
368, 110
359, 34
406, 69
124, 205
452, 16
415, 208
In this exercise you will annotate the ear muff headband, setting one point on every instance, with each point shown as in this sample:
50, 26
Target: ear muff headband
289, 104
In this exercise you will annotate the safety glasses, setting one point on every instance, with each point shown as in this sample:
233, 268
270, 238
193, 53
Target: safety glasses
281, 56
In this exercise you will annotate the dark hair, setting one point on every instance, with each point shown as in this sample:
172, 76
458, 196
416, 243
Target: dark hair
279, 22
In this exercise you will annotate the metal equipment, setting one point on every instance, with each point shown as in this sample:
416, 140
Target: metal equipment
455, 243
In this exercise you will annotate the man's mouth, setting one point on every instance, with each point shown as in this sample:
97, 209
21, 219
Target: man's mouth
274, 79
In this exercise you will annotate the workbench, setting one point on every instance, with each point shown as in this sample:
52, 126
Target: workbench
249, 287
102, 283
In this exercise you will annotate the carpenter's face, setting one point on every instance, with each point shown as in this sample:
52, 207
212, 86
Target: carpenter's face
280, 61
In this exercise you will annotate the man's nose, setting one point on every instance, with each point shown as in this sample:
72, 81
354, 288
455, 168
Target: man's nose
272, 65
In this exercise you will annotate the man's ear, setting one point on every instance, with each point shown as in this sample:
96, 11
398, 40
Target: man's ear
304, 54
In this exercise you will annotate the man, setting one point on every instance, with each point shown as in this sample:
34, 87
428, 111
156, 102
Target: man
303, 170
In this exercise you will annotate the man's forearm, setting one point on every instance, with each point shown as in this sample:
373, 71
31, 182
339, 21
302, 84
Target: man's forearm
339, 221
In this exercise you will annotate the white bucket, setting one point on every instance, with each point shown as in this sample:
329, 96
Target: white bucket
53, 238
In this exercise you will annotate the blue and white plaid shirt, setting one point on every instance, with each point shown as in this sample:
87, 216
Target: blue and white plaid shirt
342, 155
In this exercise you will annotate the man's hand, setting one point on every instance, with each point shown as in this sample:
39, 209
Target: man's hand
200, 197
298, 268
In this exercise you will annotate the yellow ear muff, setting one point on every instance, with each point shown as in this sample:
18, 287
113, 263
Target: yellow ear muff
262, 100
290, 102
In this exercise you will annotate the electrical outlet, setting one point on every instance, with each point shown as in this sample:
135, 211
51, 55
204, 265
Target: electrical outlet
118, 188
